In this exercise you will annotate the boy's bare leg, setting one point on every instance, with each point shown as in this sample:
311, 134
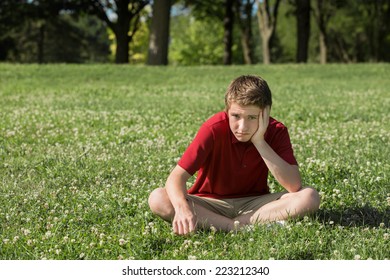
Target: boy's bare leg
161, 205
290, 205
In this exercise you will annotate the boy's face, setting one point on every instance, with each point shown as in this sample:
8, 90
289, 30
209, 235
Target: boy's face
243, 120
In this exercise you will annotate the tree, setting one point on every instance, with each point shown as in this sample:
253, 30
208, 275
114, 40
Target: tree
359, 31
228, 22
50, 31
303, 29
65, 38
9, 23
124, 25
159, 33
244, 14
322, 15
376, 30
267, 19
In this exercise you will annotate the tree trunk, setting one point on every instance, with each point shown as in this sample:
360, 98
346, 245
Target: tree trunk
303, 29
122, 48
41, 42
121, 32
267, 26
322, 15
159, 36
323, 49
246, 47
228, 34
245, 22
266, 50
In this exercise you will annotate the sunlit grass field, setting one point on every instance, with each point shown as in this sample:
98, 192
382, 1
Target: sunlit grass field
82, 146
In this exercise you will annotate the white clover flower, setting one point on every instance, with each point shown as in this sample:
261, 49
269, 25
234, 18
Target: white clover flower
122, 242
190, 257
357, 257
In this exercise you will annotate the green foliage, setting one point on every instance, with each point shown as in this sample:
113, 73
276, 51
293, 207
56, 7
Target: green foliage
140, 42
82, 146
195, 42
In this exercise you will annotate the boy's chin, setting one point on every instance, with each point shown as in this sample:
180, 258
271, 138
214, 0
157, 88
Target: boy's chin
243, 138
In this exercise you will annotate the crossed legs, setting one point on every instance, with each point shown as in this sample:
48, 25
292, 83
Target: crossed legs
290, 205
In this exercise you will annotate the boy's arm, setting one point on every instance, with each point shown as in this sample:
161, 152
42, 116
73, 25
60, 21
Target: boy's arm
286, 174
184, 220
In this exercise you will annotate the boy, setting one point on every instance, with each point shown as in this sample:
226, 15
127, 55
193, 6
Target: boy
233, 152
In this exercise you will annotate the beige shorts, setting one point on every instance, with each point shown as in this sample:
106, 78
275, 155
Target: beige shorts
234, 207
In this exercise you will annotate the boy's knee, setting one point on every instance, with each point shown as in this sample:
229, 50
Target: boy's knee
155, 197
159, 203
311, 198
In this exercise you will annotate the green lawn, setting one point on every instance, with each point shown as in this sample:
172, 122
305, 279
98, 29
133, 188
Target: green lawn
82, 146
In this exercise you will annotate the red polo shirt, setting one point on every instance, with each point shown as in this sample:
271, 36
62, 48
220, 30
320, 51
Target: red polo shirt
228, 168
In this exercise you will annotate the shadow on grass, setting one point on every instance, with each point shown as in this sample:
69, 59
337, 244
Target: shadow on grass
356, 217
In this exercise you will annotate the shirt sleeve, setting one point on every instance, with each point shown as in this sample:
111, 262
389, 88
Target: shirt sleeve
281, 144
198, 151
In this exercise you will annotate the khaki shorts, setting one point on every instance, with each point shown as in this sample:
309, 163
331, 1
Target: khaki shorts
234, 207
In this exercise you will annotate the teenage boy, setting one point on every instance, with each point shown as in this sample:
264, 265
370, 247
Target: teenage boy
232, 153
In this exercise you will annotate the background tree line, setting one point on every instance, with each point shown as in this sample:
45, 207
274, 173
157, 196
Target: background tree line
189, 32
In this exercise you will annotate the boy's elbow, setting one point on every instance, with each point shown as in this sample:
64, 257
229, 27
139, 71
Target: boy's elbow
296, 187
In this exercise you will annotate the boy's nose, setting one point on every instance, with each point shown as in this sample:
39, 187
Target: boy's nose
242, 125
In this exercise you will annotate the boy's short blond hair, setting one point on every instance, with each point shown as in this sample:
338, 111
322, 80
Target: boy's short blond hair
248, 90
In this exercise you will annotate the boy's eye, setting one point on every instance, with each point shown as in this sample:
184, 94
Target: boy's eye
252, 117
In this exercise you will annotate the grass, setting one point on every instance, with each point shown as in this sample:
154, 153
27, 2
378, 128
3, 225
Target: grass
82, 146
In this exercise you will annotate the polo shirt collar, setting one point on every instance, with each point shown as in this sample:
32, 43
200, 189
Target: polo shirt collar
234, 139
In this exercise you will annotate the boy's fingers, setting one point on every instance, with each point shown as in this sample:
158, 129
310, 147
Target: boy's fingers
192, 226
183, 227
266, 112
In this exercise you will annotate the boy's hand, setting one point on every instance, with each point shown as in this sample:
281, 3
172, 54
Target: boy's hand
258, 136
184, 222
